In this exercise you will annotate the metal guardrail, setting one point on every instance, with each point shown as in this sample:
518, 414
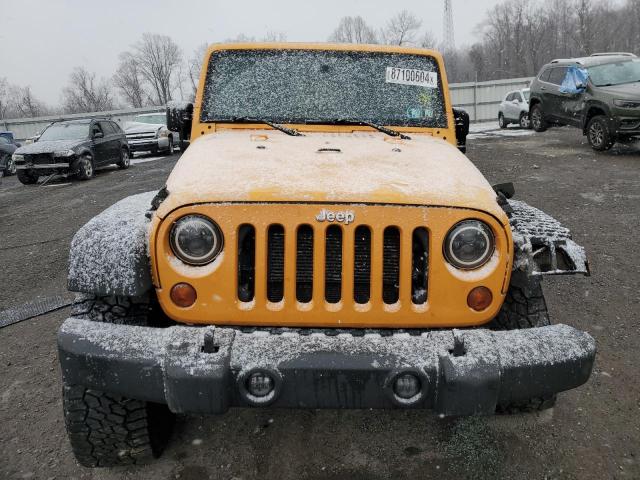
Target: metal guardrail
480, 99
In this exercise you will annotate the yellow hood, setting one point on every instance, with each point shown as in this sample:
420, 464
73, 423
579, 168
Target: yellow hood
270, 166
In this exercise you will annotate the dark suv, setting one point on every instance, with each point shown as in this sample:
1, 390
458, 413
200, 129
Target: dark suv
77, 147
599, 94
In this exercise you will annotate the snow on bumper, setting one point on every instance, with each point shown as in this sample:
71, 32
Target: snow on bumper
204, 370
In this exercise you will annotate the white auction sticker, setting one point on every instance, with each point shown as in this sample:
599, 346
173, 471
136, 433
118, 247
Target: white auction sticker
410, 76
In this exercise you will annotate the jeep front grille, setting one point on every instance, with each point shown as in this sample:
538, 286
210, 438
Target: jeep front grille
326, 265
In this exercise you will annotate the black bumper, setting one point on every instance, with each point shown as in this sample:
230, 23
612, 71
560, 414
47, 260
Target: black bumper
462, 372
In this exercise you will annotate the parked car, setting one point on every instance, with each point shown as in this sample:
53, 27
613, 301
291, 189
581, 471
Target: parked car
300, 265
77, 147
8, 145
148, 132
599, 94
515, 109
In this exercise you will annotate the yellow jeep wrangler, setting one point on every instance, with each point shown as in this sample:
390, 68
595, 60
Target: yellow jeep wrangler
322, 243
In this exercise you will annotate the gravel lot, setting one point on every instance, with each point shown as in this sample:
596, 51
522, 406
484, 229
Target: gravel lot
593, 433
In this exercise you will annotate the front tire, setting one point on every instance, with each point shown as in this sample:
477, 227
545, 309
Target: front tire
599, 134
107, 430
84, 168
524, 121
11, 168
537, 120
502, 122
27, 177
524, 307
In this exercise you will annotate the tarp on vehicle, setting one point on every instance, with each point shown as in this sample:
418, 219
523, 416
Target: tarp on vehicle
575, 80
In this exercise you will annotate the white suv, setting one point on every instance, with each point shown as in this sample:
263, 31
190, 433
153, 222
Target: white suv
515, 109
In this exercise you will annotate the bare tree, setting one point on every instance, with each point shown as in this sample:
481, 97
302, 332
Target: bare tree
401, 29
86, 93
353, 30
129, 81
274, 37
158, 58
4, 98
429, 40
194, 67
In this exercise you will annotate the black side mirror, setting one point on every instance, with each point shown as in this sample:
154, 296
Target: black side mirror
180, 118
461, 117
97, 135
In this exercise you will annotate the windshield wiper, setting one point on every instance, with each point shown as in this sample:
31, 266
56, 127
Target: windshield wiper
389, 131
276, 126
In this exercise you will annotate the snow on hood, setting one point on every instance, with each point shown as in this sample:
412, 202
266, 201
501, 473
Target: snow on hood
49, 146
138, 127
326, 167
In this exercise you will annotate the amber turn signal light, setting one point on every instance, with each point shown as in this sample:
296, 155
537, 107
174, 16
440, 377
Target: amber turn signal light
183, 295
479, 298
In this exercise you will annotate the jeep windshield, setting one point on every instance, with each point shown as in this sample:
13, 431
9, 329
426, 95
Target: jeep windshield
324, 87
65, 131
615, 73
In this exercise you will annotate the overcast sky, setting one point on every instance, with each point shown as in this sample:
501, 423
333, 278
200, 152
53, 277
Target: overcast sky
42, 40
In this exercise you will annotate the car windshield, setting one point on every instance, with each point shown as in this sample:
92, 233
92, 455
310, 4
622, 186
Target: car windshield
319, 86
159, 119
526, 94
65, 131
615, 73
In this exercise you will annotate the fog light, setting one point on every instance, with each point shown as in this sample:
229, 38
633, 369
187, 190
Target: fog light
407, 386
183, 295
260, 384
479, 298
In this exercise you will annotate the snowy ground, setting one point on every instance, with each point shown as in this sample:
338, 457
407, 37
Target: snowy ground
492, 129
593, 433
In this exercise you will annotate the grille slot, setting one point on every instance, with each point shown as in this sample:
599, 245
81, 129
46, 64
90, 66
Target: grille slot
391, 266
304, 264
362, 265
275, 263
420, 266
333, 265
246, 263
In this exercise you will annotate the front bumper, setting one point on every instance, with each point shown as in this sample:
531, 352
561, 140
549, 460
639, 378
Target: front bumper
148, 144
204, 369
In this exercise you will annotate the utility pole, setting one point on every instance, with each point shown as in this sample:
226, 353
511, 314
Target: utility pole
448, 34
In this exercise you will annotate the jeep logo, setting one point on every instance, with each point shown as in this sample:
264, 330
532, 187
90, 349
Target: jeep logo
346, 217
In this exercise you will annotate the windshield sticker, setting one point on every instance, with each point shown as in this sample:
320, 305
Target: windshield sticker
410, 76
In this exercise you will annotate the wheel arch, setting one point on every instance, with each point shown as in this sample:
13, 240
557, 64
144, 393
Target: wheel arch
593, 110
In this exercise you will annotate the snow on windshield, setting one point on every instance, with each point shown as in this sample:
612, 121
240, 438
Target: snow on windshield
309, 86
615, 73
65, 131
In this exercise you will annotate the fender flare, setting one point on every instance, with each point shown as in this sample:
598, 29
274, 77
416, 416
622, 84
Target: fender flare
110, 254
542, 245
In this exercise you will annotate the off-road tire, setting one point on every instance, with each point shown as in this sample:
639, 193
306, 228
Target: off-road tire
125, 159
84, 168
502, 122
26, 177
524, 121
599, 135
524, 307
107, 430
536, 118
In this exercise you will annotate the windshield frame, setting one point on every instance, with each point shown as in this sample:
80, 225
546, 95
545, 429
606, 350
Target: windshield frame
610, 64
86, 125
200, 128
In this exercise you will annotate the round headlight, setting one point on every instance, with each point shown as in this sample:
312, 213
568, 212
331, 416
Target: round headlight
469, 245
196, 240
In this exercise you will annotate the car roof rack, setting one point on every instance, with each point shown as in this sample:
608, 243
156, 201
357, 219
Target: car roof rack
613, 54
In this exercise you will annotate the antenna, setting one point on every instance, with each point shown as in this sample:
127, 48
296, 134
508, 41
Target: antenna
448, 34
